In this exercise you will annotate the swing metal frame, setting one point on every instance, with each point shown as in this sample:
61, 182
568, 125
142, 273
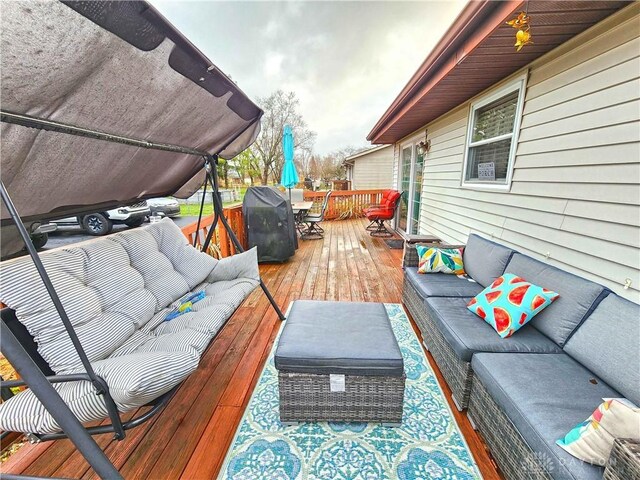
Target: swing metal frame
20, 349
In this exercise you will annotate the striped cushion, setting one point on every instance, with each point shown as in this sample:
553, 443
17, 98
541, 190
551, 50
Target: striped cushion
117, 292
242, 265
191, 264
104, 318
160, 277
133, 380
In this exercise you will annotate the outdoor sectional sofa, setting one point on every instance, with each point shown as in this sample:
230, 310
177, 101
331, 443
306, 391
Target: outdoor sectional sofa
117, 292
529, 390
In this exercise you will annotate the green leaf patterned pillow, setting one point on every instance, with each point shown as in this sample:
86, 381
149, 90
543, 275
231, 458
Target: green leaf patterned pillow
440, 260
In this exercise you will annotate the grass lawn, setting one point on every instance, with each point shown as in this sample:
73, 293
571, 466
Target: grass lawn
192, 210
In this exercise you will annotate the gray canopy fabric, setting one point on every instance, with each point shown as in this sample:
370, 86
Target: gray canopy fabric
114, 67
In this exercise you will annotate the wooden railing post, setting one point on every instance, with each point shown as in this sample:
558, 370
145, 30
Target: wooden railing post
340, 200
220, 236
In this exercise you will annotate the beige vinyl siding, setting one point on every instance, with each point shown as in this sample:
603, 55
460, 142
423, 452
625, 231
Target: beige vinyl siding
373, 170
396, 166
575, 195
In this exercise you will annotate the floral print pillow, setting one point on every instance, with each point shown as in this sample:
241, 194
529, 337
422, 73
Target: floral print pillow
593, 439
440, 260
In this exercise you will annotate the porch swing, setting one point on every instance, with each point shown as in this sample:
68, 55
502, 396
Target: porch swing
85, 164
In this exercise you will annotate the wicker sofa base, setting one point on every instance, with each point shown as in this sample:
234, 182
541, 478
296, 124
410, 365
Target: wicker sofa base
512, 454
456, 372
308, 398
624, 461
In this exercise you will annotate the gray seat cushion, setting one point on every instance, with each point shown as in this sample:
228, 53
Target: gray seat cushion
608, 344
544, 396
467, 333
578, 296
441, 284
485, 260
339, 337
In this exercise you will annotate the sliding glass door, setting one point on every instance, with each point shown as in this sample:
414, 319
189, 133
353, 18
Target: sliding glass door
405, 184
410, 183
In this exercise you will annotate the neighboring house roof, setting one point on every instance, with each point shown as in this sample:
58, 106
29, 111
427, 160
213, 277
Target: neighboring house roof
477, 51
352, 158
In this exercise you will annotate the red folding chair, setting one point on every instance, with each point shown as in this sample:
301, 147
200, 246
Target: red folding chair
378, 214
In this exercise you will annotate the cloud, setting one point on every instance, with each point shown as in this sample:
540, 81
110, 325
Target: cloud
273, 64
346, 61
272, 28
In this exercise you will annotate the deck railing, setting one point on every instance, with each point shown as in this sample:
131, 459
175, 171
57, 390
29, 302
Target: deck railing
342, 203
220, 237
346, 203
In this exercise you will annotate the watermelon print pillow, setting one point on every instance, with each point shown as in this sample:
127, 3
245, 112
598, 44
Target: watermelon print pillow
509, 303
440, 260
592, 440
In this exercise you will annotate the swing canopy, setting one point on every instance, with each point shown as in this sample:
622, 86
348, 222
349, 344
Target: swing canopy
116, 68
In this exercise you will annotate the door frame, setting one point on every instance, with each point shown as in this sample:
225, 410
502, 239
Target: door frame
413, 143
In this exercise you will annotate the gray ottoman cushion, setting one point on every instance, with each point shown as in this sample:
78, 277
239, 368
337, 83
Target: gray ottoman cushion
544, 396
485, 260
349, 338
608, 344
577, 296
441, 284
467, 333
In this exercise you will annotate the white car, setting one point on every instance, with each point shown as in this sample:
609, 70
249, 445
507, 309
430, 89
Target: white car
101, 223
164, 207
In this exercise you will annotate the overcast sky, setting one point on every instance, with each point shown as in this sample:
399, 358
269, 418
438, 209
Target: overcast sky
346, 61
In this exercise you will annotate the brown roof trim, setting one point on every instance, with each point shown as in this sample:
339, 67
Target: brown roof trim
477, 20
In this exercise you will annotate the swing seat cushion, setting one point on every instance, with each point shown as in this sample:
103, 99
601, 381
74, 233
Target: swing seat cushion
117, 292
133, 380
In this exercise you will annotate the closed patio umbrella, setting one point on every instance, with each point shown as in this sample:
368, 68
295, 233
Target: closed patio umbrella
289, 175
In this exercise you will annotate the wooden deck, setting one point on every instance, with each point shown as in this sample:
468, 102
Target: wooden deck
189, 438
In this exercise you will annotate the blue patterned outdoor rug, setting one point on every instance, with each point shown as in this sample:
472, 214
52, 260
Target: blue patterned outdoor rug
428, 445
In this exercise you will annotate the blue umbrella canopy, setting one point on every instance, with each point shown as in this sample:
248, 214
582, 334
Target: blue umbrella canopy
289, 175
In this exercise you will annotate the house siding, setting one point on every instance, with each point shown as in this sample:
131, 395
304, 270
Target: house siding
373, 170
575, 194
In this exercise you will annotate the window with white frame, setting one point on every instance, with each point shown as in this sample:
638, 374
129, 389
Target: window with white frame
492, 137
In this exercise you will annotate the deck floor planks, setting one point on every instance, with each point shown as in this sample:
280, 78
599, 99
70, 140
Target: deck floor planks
75, 464
171, 462
234, 386
146, 453
189, 439
119, 452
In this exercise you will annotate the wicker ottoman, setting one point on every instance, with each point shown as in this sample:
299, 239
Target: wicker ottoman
339, 362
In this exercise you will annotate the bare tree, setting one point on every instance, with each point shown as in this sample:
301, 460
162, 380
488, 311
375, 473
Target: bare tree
280, 109
329, 167
304, 157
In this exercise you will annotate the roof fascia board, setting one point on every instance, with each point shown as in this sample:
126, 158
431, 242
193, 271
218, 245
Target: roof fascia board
364, 152
492, 19
465, 105
444, 45
628, 15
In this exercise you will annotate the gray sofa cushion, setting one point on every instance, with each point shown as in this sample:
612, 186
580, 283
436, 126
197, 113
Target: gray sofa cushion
350, 338
577, 296
544, 396
441, 284
485, 260
608, 344
467, 333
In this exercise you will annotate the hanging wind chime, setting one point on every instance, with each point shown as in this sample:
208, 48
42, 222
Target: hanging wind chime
522, 24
